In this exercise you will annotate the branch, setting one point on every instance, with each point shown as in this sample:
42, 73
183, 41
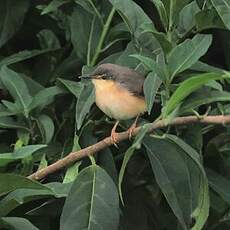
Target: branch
74, 156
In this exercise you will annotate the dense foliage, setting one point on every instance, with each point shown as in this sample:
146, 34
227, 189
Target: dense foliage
175, 178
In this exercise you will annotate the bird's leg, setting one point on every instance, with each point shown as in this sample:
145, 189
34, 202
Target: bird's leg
114, 134
132, 127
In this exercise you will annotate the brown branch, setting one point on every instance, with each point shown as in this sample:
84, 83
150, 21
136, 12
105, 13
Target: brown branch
74, 156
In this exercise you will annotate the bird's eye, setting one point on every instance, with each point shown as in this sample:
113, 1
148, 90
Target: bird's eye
104, 76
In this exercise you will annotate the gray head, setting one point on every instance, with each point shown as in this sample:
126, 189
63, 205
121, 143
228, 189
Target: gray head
126, 77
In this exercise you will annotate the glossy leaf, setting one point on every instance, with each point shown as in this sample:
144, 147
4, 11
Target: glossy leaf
223, 9
92, 202
188, 53
188, 86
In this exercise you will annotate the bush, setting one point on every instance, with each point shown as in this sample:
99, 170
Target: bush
176, 177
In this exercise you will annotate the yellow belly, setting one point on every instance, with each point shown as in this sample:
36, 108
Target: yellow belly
116, 102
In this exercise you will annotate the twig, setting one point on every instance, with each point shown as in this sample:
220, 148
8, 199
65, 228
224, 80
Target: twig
74, 156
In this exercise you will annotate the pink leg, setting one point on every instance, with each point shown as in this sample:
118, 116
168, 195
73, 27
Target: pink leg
132, 127
114, 134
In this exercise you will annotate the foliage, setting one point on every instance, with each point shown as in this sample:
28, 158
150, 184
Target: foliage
176, 178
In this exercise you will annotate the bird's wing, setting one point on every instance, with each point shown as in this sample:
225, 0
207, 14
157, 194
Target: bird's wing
132, 81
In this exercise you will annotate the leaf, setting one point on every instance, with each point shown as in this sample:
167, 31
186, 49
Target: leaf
45, 97
128, 154
21, 56
187, 87
46, 126
223, 9
188, 53
48, 40
17, 223
132, 15
74, 87
187, 18
203, 67
10, 123
84, 103
151, 86
151, 65
208, 19
53, 6
19, 154
72, 172
10, 182
81, 23
11, 18
173, 163
92, 202
219, 184
203, 98
17, 88
162, 12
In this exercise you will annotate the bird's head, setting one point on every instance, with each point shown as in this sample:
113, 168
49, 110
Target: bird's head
103, 72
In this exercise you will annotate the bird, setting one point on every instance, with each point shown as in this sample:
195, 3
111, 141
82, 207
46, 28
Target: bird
118, 93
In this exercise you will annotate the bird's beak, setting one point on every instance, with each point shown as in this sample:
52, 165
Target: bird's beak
86, 76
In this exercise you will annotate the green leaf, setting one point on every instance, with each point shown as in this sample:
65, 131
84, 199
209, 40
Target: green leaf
203, 98
151, 65
16, 223
92, 202
73, 86
203, 67
10, 123
128, 154
19, 154
46, 126
72, 172
223, 9
48, 40
187, 18
174, 163
84, 103
188, 53
187, 87
53, 6
45, 97
10, 182
11, 18
21, 56
132, 15
219, 184
162, 12
208, 19
151, 86
17, 88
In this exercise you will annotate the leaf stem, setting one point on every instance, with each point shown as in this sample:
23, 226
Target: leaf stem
102, 38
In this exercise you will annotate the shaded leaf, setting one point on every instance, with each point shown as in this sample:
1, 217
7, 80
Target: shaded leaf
84, 103
17, 88
11, 18
92, 202
17, 223
223, 9
53, 6
10, 123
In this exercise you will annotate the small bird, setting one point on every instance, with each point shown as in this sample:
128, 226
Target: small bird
119, 93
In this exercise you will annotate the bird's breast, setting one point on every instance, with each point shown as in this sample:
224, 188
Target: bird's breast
116, 101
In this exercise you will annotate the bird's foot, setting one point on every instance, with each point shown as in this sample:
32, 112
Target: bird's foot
114, 135
132, 127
